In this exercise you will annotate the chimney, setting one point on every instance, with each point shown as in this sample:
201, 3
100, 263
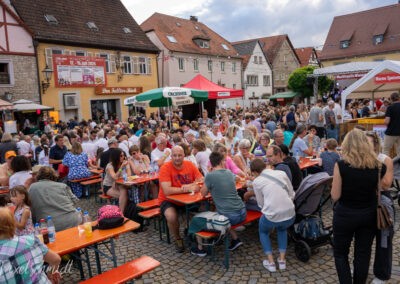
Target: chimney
195, 19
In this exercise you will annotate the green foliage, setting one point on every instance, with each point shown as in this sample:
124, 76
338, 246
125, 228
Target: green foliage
298, 82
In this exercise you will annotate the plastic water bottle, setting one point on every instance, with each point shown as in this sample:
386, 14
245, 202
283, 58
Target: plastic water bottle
51, 229
87, 224
80, 220
38, 233
44, 231
297, 155
124, 175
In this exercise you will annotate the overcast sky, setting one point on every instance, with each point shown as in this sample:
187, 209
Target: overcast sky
306, 22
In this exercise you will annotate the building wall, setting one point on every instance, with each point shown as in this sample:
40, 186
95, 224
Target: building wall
377, 57
24, 72
54, 95
284, 64
259, 70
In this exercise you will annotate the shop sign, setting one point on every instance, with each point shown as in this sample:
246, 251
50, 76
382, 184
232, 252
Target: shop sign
78, 71
280, 100
224, 94
170, 92
349, 76
99, 90
387, 78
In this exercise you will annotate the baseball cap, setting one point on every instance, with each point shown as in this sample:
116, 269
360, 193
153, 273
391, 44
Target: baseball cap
112, 141
10, 154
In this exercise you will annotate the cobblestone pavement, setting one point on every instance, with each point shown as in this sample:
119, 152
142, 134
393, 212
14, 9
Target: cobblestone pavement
245, 262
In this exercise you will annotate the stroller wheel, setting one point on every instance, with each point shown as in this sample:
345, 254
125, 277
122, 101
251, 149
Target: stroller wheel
302, 251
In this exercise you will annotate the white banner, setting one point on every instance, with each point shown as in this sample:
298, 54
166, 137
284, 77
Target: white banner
180, 101
172, 92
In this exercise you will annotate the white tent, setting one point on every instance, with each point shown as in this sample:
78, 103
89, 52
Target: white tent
346, 68
25, 105
381, 81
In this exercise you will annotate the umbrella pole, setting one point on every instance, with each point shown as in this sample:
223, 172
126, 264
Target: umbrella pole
202, 107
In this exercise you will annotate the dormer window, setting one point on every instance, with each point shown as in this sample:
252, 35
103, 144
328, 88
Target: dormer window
92, 26
378, 39
203, 43
344, 44
51, 19
171, 39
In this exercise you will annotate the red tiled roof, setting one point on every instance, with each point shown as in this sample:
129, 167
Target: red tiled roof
110, 17
304, 54
361, 27
185, 31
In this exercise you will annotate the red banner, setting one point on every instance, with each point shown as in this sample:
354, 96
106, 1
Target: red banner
79, 71
387, 78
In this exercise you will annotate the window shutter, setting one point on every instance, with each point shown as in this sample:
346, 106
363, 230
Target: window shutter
113, 65
49, 57
90, 54
148, 65
135, 60
72, 52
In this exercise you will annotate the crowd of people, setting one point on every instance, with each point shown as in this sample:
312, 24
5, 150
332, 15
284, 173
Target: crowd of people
262, 145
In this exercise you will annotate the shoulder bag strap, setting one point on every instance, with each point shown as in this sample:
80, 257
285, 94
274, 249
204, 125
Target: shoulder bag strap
277, 181
378, 187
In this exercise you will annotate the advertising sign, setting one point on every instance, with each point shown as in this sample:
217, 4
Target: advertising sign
78, 71
387, 78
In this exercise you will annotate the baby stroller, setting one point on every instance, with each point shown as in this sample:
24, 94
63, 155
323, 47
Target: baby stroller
308, 231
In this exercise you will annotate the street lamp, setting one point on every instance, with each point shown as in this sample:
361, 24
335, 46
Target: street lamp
47, 72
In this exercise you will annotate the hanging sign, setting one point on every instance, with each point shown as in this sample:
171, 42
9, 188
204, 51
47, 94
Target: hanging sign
99, 90
349, 76
387, 78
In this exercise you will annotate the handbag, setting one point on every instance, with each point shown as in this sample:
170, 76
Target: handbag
384, 219
62, 170
109, 217
209, 221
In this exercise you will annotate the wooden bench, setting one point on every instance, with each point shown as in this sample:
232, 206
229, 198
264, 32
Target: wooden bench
250, 217
85, 179
125, 272
148, 204
162, 223
91, 182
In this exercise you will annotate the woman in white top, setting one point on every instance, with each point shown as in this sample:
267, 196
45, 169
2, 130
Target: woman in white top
230, 138
202, 154
21, 168
44, 156
138, 162
274, 194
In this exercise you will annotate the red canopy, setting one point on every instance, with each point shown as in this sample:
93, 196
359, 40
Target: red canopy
214, 91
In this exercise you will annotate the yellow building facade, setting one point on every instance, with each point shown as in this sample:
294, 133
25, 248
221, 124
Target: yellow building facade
91, 83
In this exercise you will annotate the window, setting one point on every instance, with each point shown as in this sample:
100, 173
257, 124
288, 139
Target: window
171, 39
284, 60
49, 55
202, 43
51, 19
234, 86
224, 46
255, 59
127, 30
233, 67
181, 64
127, 65
6, 73
266, 80
92, 26
378, 39
209, 63
260, 60
144, 65
106, 61
196, 64
80, 53
344, 44
222, 66
252, 80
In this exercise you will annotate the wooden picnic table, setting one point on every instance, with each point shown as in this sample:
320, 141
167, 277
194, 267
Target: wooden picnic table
96, 171
139, 180
69, 241
306, 162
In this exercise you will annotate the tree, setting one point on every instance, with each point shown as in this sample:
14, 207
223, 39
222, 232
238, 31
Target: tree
300, 83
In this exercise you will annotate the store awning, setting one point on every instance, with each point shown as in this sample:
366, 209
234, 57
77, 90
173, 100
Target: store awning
214, 91
283, 95
25, 105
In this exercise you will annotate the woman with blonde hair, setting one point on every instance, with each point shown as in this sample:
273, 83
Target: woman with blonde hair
230, 138
77, 162
354, 188
67, 143
249, 135
206, 138
243, 158
229, 164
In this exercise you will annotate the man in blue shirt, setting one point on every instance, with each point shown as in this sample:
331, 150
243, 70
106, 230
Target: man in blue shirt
57, 152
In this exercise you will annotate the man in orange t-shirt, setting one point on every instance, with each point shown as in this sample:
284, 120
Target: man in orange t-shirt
176, 176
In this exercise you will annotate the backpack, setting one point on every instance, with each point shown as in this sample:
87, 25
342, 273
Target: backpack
131, 212
209, 221
311, 227
109, 216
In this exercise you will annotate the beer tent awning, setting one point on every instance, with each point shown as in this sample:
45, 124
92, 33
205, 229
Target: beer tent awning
381, 81
25, 105
215, 91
